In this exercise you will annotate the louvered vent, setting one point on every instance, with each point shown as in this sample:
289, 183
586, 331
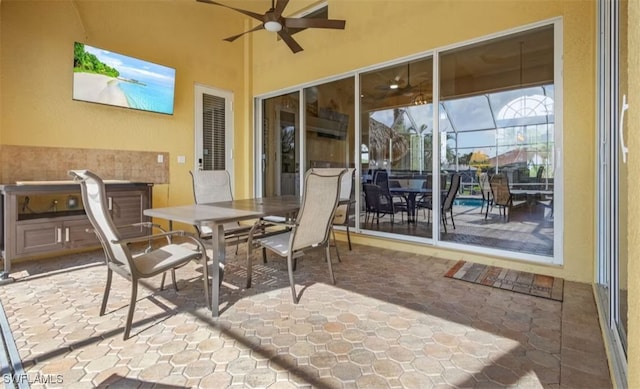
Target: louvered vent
213, 129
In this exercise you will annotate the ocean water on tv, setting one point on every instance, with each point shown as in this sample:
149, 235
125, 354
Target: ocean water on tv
150, 96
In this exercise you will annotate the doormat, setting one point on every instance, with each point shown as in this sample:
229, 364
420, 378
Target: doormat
516, 281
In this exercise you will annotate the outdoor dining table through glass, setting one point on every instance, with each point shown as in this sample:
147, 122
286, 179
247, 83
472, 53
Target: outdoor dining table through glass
410, 195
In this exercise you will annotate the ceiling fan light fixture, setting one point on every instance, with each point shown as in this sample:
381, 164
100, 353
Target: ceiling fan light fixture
272, 25
393, 85
419, 99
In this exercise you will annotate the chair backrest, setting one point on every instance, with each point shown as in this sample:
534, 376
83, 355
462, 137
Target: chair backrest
485, 188
376, 200
500, 189
346, 186
427, 183
452, 192
96, 207
539, 174
211, 186
381, 179
372, 194
540, 178
319, 201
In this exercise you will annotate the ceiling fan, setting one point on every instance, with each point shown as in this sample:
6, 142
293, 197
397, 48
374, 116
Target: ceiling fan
395, 87
273, 21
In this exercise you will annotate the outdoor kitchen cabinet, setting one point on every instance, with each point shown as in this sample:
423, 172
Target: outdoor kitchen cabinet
48, 217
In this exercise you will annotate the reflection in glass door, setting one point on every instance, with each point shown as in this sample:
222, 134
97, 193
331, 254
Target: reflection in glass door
288, 169
280, 137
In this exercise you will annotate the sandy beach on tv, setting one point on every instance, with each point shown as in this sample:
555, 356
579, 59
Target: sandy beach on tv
98, 88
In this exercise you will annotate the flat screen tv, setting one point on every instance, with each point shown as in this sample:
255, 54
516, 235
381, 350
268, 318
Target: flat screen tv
104, 77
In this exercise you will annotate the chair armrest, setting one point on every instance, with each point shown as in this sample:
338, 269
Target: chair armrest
274, 221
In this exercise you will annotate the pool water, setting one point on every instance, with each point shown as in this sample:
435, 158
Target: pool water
468, 202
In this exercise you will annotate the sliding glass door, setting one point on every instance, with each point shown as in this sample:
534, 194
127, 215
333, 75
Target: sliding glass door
620, 183
613, 196
494, 115
425, 132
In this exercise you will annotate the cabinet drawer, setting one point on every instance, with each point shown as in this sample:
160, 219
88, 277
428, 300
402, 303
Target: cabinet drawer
74, 234
38, 238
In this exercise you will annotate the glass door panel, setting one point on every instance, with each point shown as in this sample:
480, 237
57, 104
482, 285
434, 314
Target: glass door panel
613, 196
396, 151
621, 179
289, 168
329, 124
280, 146
496, 119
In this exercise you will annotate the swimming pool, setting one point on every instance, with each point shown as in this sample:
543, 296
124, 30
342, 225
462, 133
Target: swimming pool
468, 202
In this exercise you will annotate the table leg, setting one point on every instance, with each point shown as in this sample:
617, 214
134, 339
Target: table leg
411, 207
4, 275
218, 256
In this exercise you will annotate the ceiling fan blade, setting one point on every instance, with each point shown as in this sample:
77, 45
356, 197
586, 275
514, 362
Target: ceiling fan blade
234, 37
293, 45
254, 15
280, 5
314, 23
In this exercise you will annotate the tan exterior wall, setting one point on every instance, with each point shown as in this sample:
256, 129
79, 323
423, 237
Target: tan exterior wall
0, 73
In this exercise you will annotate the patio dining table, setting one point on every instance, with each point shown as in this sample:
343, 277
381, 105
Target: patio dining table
533, 197
219, 213
410, 195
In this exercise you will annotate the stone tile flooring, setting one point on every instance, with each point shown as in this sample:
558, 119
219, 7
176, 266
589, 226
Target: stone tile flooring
391, 321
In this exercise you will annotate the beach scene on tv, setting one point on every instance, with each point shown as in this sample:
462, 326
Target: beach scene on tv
105, 77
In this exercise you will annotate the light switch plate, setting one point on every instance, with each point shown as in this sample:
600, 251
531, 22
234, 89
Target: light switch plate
181, 158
